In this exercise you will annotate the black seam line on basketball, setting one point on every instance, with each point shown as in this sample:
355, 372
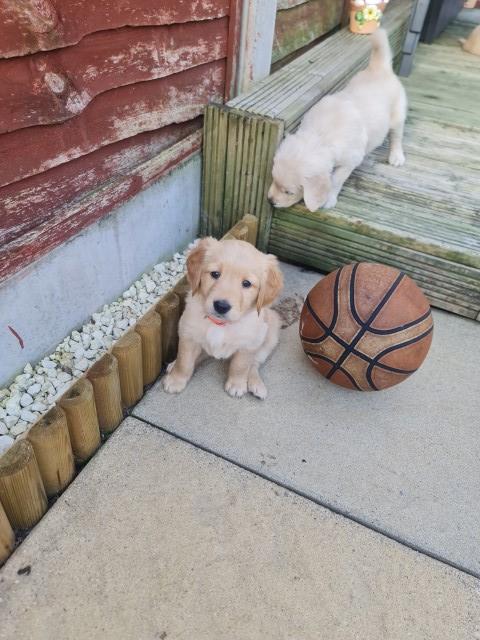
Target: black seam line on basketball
351, 378
364, 328
353, 309
381, 332
328, 330
387, 332
319, 357
387, 367
335, 300
320, 502
329, 361
357, 353
329, 334
394, 347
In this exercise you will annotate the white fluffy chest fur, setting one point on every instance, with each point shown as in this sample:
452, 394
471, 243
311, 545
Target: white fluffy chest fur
222, 342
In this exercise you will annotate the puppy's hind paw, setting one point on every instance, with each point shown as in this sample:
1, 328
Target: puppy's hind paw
396, 158
173, 383
236, 388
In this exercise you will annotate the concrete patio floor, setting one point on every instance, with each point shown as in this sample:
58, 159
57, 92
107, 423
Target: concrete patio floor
223, 527
404, 461
157, 539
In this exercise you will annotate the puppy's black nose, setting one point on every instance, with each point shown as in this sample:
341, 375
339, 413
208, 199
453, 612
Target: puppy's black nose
271, 200
222, 306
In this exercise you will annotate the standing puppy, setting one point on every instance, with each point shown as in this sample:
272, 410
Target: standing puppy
227, 314
337, 133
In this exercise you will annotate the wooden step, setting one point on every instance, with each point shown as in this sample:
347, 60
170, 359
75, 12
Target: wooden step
423, 217
240, 138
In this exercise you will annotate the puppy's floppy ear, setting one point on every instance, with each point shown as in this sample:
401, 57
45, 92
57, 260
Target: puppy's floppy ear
195, 261
316, 190
271, 283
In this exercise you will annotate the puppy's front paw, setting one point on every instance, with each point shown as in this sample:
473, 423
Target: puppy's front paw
396, 158
256, 386
331, 201
173, 383
258, 389
236, 387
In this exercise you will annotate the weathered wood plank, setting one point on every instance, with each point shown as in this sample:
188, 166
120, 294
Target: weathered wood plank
327, 260
233, 48
25, 205
288, 4
67, 221
53, 87
113, 116
326, 246
302, 23
40, 25
289, 92
205, 218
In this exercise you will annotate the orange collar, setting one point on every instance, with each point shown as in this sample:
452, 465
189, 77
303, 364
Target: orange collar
217, 321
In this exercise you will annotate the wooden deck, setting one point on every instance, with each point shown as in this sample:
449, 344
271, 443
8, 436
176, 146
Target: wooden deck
241, 137
423, 217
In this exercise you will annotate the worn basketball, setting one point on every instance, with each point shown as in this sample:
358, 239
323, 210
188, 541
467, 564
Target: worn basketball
366, 326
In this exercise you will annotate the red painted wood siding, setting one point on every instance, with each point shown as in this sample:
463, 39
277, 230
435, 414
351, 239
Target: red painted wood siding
79, 177
52, 87
112, 116
40, 25
68, 220
98, 99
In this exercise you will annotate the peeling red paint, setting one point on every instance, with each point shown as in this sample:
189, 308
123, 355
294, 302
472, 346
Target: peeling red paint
57, 188
113, 116
17, 336
41, 25
52, 87
81, 213
123, 106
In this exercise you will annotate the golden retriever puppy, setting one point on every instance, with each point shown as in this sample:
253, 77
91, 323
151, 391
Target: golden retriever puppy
337, 133
228, 315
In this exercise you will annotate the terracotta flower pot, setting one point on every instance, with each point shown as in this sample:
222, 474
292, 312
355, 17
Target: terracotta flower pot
365, 15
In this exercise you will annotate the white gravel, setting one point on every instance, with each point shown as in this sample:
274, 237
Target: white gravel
36, 389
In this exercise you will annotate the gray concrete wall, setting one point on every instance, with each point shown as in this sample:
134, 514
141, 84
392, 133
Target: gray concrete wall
59, 292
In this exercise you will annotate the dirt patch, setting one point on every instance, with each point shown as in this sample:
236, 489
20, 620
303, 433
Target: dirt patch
289, 309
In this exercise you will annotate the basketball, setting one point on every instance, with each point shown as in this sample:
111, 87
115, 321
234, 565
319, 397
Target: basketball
366, 326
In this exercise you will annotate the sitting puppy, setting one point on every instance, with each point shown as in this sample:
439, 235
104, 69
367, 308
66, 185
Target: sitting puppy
227, 314
337, 133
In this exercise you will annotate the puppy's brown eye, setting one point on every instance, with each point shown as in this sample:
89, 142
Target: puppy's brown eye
215, 274
246, 284
287, 192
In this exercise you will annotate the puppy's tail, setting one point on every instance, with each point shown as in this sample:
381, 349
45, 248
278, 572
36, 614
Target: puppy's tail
381, 56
